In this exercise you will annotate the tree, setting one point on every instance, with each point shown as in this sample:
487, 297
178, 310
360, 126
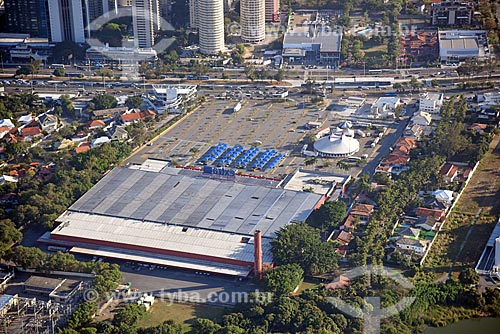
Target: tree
343, 165
28, 257
67, 105
283, 279
382, 178
104, 72
280, 75
250, 72
34, 67
205, 326
329, 215
82, 316
128, 315
16, 150
301, 244
9, 235
414, 83
469, 276
172, 57
310, 161
110, 33
166, 327
134, 102
59, 72
104, 101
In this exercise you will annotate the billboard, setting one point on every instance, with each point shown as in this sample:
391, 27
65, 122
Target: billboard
219, 172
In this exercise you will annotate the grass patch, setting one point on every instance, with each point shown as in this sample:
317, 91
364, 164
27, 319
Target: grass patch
375, 50
305, 286
481, 193
182, 313
439, 316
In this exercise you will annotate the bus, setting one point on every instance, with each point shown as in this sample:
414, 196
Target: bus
57, 249
374, 71
58, 66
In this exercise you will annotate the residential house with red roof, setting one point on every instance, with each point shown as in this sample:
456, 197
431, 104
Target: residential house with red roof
134, 117
437, 214
30, 133
362, 211
83, 147
449, 172
96, 124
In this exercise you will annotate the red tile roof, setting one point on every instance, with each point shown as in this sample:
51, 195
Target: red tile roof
344, 237
425, 212
393, 159
339, 283
467, 173
96, 123
383, 168
131, 117
137, 116
362, 209
350, 221
31, 131
478, 126
448, 170
84, 147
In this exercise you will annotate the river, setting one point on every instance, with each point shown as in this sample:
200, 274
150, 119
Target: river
481, 325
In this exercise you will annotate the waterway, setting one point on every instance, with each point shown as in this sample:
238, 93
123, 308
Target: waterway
481, 325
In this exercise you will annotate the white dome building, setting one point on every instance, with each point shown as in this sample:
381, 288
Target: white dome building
336, 146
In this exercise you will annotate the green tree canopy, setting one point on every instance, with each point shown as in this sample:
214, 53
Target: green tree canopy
301, 244
134, 102
283, 279
104, 101
128, 315
9, 235
329, 215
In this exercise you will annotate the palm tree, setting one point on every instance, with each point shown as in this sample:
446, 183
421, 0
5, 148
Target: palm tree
343, 165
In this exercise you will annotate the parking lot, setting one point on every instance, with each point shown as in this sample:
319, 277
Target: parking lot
176, 285
268, 124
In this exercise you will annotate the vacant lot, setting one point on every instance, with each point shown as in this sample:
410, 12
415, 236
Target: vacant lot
182, 313
481, 198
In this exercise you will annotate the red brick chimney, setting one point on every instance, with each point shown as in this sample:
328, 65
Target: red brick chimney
257, 243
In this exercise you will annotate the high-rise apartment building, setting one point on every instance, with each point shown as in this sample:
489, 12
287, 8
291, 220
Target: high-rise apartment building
452, 13
193, 14
97, 8
67, 20
252, 20
272, 10
28, 17
164, 5
124, 3
146, 20
211, 26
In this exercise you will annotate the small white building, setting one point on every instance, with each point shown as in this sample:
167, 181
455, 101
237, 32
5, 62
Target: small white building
99, 141
431, 102
173, 96
422, 118
444, 196
385, 105
48, 122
